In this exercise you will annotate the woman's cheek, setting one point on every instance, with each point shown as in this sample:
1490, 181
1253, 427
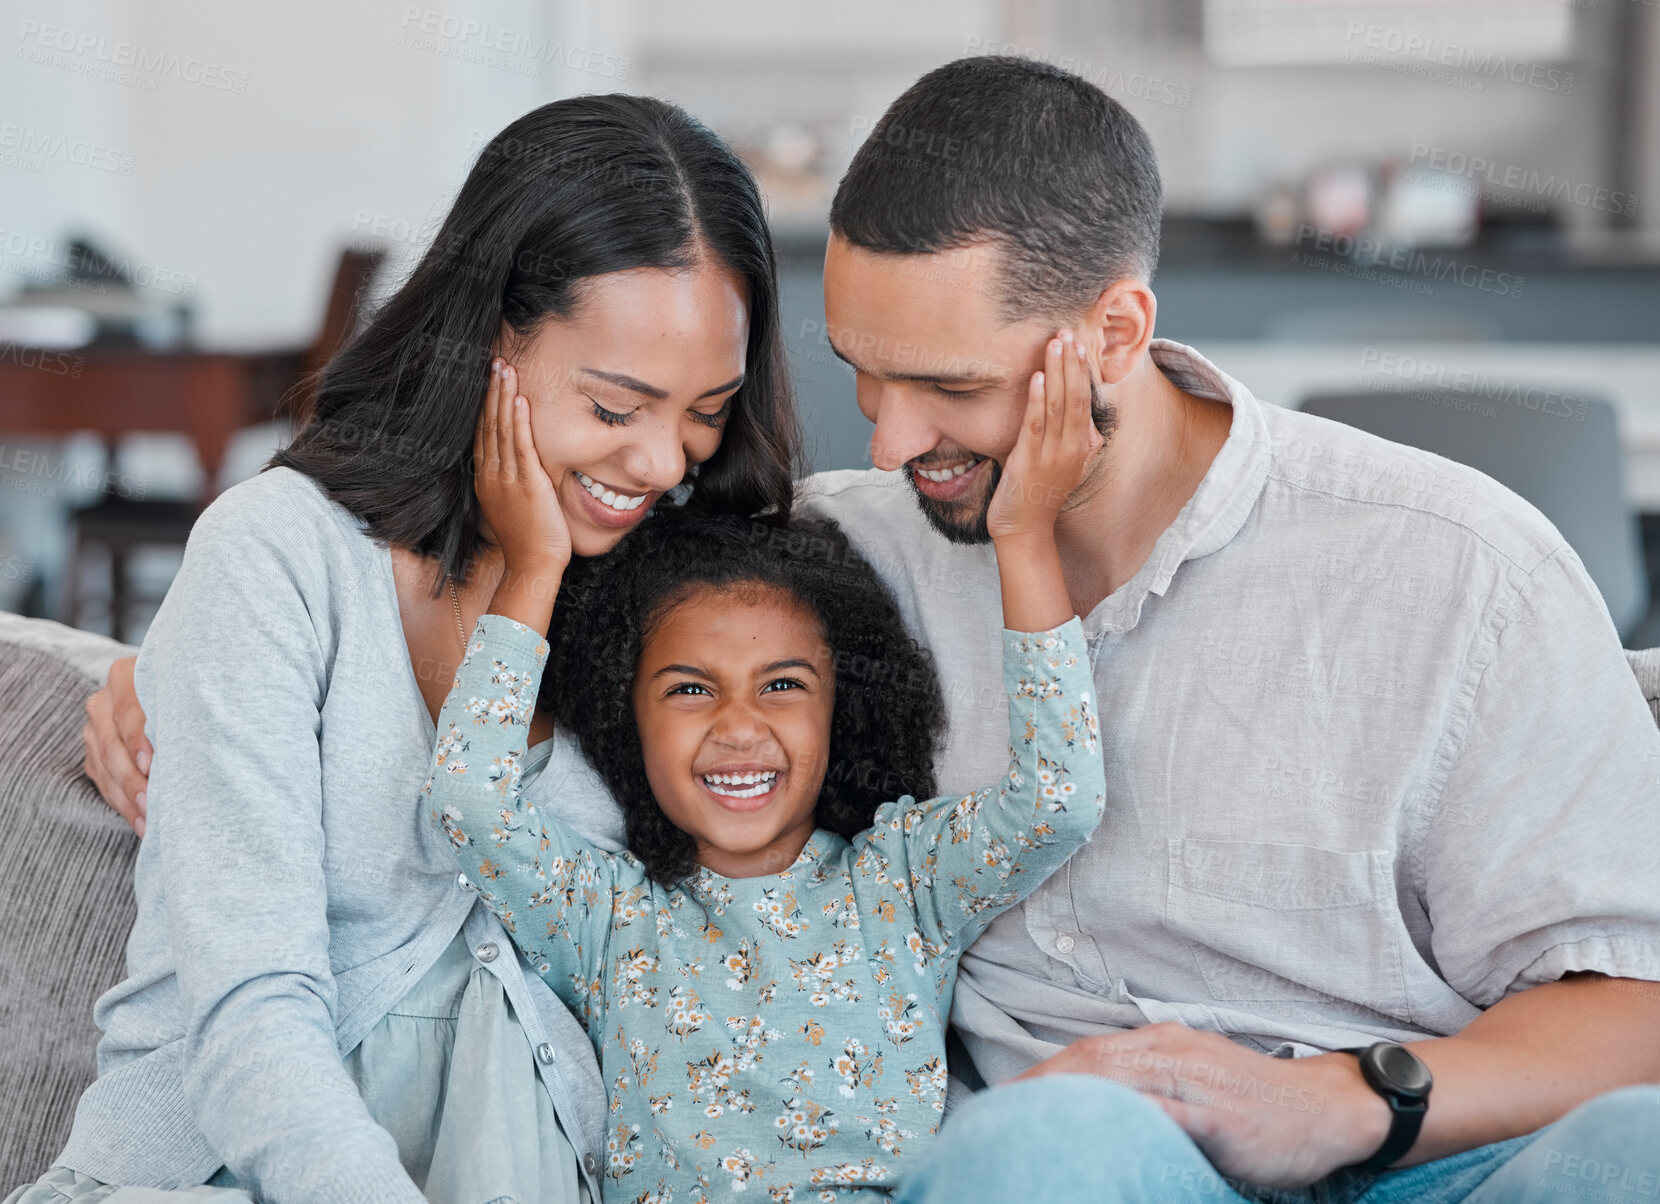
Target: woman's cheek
550, 440
703, 445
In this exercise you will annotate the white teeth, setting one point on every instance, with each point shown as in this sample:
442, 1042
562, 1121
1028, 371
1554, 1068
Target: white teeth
948, 474
617, 501
741, 785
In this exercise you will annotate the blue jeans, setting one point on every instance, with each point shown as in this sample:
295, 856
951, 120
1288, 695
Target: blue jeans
1077, 1137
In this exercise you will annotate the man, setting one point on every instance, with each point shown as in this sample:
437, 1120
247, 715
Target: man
1377, 769
1378, 773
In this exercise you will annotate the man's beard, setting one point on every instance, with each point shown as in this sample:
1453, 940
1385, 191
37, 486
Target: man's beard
957, 524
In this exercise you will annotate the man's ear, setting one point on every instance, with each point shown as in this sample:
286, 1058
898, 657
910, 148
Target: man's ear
1118, 328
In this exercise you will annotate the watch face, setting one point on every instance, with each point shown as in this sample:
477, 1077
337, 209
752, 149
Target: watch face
1401, 1070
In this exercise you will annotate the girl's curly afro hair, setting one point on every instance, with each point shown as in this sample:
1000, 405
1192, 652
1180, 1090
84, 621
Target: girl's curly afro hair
888, 716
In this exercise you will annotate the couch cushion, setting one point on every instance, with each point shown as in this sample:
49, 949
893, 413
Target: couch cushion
86, 651
65, 889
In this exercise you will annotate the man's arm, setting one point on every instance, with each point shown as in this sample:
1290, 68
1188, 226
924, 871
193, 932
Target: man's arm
1536, 869
1280, 1122
1531, 1058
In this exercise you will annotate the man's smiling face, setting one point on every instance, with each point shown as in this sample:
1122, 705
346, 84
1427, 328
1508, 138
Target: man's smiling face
938, 369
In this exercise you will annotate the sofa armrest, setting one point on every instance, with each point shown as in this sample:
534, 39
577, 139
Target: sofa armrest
85, 651
65, 888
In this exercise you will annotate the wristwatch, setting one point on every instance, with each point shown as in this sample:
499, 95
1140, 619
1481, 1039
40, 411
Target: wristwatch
1400, 1076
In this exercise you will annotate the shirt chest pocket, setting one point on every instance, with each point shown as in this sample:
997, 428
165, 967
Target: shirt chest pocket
1288, 923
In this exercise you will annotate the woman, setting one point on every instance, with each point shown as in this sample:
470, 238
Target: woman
308, 1015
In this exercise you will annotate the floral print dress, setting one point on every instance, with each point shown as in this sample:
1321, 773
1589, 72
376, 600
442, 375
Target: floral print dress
779, 1037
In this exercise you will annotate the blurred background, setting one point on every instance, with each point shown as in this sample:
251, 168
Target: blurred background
1440, 220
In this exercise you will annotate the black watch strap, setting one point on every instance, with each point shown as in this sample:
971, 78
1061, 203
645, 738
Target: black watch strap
1406, 1109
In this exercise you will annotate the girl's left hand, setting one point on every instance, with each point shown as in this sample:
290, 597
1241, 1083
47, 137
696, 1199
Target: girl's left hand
515, 494
1057, 439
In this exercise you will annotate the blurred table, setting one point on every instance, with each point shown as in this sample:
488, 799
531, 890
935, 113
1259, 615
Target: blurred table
207, 397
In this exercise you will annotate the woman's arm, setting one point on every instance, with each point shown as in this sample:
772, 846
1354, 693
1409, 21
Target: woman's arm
235, 678
117, 754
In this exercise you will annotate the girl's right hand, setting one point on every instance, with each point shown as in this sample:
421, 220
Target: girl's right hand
1057, 439
515, 494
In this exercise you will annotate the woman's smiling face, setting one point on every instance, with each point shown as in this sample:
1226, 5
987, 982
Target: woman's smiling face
632, 390
733, 698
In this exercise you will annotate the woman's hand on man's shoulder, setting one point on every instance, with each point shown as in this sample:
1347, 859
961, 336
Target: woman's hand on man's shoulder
117, 753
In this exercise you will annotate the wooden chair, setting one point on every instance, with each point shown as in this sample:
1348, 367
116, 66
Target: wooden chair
272, 382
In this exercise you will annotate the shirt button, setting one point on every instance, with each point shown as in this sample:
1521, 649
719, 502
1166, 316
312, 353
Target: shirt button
461, 881
487, 952
546, 1053
1063, 944
590, 1164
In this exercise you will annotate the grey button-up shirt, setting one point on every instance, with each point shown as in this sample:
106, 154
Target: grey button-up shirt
1374, 756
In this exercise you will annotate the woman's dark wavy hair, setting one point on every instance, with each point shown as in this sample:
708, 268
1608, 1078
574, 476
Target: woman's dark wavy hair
888, 715
574, 189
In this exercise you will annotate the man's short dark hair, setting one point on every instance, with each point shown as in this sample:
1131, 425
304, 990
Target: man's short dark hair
1034, 160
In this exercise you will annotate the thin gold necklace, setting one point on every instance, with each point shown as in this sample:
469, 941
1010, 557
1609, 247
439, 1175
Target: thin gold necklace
455, 601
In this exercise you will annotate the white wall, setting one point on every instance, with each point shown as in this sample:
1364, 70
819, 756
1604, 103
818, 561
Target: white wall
339, 117
339, 129
341, 120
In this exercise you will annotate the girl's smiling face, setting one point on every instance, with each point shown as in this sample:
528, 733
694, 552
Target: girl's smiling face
632, 390
733, 696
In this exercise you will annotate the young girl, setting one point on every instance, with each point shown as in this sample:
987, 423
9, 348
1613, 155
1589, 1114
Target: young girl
768, 985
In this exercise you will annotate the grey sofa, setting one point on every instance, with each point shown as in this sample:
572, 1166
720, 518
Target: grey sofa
65, 888
65, 883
